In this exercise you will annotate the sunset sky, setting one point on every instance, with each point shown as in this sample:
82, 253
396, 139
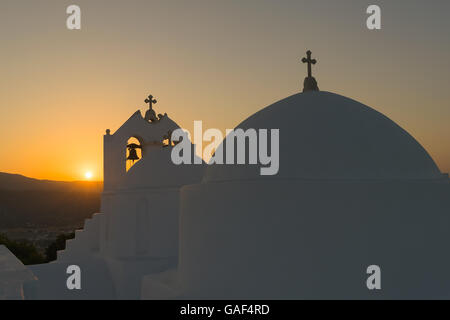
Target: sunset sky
217, 61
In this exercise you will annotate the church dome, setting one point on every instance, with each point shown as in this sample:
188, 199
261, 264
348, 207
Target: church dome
325, 136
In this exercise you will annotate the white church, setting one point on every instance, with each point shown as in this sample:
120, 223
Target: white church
353, 190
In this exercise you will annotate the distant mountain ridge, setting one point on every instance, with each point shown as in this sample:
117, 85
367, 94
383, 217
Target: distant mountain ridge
28, 202
17, 182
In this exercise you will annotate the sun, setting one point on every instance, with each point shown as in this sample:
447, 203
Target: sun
88, 175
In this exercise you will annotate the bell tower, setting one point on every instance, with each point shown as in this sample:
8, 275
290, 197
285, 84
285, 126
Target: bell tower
119, 151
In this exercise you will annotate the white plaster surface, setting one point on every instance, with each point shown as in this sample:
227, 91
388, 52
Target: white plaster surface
354, 189
12, 275
327, 136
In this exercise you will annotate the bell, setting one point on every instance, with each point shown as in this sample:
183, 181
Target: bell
132, 154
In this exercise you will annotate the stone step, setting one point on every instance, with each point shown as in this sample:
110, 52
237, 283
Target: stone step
87, 240
87, 224
61, 254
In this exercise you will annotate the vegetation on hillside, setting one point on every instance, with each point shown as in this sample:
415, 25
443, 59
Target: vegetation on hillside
26, 252
58, 244
43, 204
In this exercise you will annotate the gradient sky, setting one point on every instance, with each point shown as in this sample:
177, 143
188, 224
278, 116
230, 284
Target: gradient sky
216, 61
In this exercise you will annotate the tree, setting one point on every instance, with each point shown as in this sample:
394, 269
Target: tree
58, 244
24, 250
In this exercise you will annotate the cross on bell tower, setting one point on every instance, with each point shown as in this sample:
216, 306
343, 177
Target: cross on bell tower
310, 84
150, 101
150, 115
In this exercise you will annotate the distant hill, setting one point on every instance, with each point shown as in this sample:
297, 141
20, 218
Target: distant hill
27, 202
17, 182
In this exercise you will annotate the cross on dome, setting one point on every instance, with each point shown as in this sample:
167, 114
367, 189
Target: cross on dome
310, 84
309, 61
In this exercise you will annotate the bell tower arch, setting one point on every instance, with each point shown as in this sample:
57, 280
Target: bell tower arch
134, 151
118, 148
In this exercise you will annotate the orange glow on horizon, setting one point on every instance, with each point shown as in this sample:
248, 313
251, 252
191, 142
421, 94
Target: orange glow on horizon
60, 90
